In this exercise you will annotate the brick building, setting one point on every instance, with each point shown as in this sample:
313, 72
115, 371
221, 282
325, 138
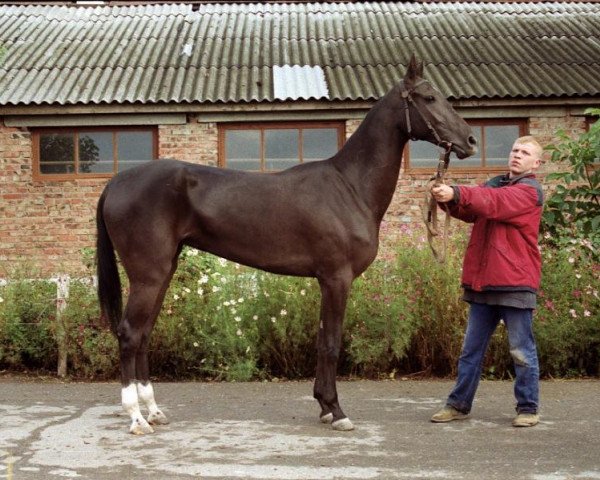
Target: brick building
88, 91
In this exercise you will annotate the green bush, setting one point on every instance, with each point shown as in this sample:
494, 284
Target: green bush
572, 211
92, 349
405, 313
27, 316
222, 321
568, 316
379, 322
203, 328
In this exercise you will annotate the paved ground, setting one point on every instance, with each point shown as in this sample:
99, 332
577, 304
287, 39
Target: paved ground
50, 429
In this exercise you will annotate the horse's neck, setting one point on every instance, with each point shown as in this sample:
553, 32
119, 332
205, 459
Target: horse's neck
370, 161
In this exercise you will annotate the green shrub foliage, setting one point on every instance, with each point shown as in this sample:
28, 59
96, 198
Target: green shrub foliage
27, 319
223, 321
572, 211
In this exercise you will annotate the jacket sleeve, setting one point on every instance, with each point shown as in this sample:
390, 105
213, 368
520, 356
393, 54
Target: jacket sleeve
510, 204
454, 209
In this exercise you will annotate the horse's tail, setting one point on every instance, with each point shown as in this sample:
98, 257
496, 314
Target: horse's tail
109, 283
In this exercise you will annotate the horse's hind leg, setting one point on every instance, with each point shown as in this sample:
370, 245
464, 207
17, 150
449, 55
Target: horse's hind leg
144, 387
146, 395
145, 390
145, 299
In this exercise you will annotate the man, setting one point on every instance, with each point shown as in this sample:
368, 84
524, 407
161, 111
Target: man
501, 275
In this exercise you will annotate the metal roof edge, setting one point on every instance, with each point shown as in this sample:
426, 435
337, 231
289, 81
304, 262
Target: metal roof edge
297, 106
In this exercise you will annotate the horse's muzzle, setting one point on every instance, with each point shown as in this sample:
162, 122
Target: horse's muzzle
464, 152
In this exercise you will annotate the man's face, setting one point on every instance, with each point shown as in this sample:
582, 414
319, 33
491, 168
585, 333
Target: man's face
524, 158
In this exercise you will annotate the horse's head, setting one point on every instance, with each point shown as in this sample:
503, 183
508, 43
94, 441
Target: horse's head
427, 115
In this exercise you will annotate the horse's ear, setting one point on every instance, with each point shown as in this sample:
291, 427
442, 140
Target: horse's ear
415, 69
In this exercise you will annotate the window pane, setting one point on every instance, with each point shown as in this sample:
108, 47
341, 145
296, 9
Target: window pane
133, 148
427, 155
281, 149
499, 140
96, 152
242, 149
319, 143
57, 153
423, 154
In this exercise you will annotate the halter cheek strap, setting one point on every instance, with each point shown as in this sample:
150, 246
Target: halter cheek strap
406, 95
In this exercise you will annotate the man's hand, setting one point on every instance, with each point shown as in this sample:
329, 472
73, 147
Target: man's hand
442, 193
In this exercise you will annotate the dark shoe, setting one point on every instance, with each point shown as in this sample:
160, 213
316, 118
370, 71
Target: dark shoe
526, 420
447, 414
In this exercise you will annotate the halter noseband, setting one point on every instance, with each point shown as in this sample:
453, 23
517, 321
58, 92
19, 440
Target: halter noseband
406, 95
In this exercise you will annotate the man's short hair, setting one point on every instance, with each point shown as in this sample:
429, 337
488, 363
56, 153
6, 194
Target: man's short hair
531, 140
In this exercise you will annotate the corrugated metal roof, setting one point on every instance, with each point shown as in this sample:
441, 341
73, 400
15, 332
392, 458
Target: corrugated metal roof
227, 52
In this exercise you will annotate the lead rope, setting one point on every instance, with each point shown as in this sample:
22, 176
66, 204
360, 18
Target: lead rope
430, 209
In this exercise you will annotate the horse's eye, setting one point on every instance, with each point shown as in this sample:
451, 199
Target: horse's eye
430, 98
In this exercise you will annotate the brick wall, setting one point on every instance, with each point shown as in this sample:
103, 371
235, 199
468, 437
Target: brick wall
44, 226
544, 129
193, 142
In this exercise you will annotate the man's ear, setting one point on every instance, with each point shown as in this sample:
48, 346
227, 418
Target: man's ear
414, 70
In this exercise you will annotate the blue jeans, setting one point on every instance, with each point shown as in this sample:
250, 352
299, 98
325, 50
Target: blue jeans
483, 320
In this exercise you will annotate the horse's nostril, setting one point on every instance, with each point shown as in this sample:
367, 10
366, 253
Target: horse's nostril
472, 140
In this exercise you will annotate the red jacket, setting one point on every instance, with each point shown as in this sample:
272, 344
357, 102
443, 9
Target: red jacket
503, 253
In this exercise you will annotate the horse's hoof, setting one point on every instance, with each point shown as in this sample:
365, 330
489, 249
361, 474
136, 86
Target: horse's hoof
343, 425
327, 418
140, 427
158, 418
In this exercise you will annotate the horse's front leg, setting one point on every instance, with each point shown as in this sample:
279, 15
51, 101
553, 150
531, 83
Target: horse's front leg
334, 294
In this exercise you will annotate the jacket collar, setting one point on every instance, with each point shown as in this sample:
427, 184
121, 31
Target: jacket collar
506, 180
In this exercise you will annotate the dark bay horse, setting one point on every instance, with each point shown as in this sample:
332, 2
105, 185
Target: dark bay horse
318, 219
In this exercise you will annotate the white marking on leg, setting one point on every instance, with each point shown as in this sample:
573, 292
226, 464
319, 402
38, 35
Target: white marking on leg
343, 425
146, 394
129, 400
327, 418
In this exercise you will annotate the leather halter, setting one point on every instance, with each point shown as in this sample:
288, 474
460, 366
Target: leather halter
406, 95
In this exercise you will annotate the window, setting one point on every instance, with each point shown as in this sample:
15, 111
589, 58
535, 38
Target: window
91, 152
494, 138
277, 146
